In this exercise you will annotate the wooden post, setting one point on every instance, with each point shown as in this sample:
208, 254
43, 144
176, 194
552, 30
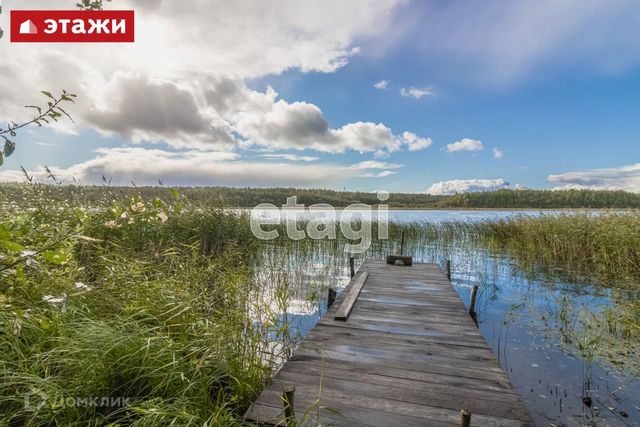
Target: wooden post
465, 418
352, 266
287, 400
448, 268
402, 243
472, 301
331, 297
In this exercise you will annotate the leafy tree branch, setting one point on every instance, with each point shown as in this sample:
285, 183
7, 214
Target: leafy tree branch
52, 112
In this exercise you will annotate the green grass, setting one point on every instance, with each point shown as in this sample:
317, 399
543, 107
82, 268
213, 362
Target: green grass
604, 248
153, 305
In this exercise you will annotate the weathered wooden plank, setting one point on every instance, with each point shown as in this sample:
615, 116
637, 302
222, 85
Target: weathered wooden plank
345, 307
457, 394
344, 417
435, 348
491, 382
355, 334
375, 408
401, 392
415, 328
407, 354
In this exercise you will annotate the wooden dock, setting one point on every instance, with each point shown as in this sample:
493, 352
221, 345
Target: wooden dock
408, 354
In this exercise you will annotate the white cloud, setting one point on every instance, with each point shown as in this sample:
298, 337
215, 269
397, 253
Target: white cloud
146, 166
133, 164
623, 178
377, 175
414, 142
497, 153
382, 84
417, 92
465, 144
374, 164
184, 78
143, 108
466, 186
291, 157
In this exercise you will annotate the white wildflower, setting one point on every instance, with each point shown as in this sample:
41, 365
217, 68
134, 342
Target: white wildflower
80, 285
138, 207
53, 299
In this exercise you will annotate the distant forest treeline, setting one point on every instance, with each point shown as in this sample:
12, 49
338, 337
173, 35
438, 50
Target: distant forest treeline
250, 197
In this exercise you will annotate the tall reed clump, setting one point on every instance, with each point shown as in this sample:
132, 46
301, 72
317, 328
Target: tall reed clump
138, 315
602, 247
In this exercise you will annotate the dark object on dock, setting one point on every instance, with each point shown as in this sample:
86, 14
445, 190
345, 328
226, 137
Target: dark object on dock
465, 419
448, 269
352, 266
472, 304
406, 260
408, 355
287, 401
331, 297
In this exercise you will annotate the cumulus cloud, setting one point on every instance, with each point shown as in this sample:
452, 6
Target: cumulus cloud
414, 142
184, 80
465, 144
382, 84
147, 109
623, 178
466, 186
416, 92
497, 153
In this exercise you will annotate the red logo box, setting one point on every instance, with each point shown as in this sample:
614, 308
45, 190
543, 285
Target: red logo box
72, 26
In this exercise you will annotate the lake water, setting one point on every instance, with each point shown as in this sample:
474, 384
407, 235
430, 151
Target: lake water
536, 327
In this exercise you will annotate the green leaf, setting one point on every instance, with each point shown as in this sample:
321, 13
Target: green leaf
11, 246
46, 93
45, 324
36, 107
4, 232
56, 257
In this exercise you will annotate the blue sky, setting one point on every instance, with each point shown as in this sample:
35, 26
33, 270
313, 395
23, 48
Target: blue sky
553, 86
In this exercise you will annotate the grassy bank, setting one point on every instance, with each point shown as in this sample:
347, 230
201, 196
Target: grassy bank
137, 315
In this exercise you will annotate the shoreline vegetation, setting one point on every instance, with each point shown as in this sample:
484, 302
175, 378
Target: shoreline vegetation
166, 304
242, 198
